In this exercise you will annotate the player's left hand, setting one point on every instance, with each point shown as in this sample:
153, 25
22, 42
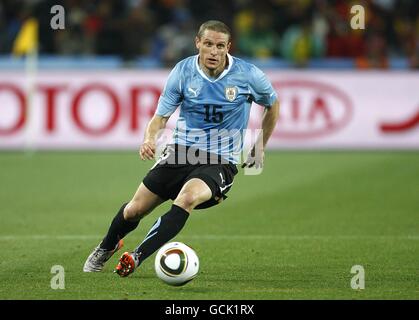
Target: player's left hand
255, 158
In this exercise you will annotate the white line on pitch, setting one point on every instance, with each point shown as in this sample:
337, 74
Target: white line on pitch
222, 237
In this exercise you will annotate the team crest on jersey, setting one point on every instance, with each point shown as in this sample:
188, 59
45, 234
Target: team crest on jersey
231, 93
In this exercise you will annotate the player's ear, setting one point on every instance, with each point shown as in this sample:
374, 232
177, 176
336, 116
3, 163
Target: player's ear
228, 46
197, 42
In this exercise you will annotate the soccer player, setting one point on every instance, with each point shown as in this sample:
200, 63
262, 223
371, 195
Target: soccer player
214, 92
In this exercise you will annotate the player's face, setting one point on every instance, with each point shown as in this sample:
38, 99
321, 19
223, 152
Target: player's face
213, 47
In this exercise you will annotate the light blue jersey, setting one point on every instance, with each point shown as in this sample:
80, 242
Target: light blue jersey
214, 112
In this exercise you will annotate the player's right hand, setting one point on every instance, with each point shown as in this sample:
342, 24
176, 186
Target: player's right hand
147, 150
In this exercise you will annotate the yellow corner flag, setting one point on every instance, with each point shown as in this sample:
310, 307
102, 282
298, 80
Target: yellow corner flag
27, 39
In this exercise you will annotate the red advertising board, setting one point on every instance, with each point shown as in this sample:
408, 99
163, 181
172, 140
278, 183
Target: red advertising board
110, 109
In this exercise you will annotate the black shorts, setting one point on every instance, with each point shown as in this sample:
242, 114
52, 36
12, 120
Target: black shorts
167, 177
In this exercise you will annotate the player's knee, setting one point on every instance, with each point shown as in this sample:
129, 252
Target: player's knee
186, 200
134, 211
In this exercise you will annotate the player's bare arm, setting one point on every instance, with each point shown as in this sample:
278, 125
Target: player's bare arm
257, 153
270, 117
148, 147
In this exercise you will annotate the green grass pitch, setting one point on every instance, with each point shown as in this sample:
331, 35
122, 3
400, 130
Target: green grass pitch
293, 232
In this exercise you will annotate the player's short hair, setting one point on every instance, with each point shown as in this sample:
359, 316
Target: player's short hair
214, 25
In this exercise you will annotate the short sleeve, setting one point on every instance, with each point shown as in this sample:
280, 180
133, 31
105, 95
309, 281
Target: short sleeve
171, 96
261, 88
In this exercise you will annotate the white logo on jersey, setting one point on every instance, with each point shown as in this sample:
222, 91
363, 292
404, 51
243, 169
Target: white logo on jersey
231, 93
195, 92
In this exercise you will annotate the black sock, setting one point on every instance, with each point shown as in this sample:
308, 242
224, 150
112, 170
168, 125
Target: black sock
164, 229
118, 229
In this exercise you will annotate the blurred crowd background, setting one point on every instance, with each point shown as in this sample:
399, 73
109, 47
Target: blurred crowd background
293, 30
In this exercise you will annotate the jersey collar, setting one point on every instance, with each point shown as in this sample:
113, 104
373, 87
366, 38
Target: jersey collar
202, 73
